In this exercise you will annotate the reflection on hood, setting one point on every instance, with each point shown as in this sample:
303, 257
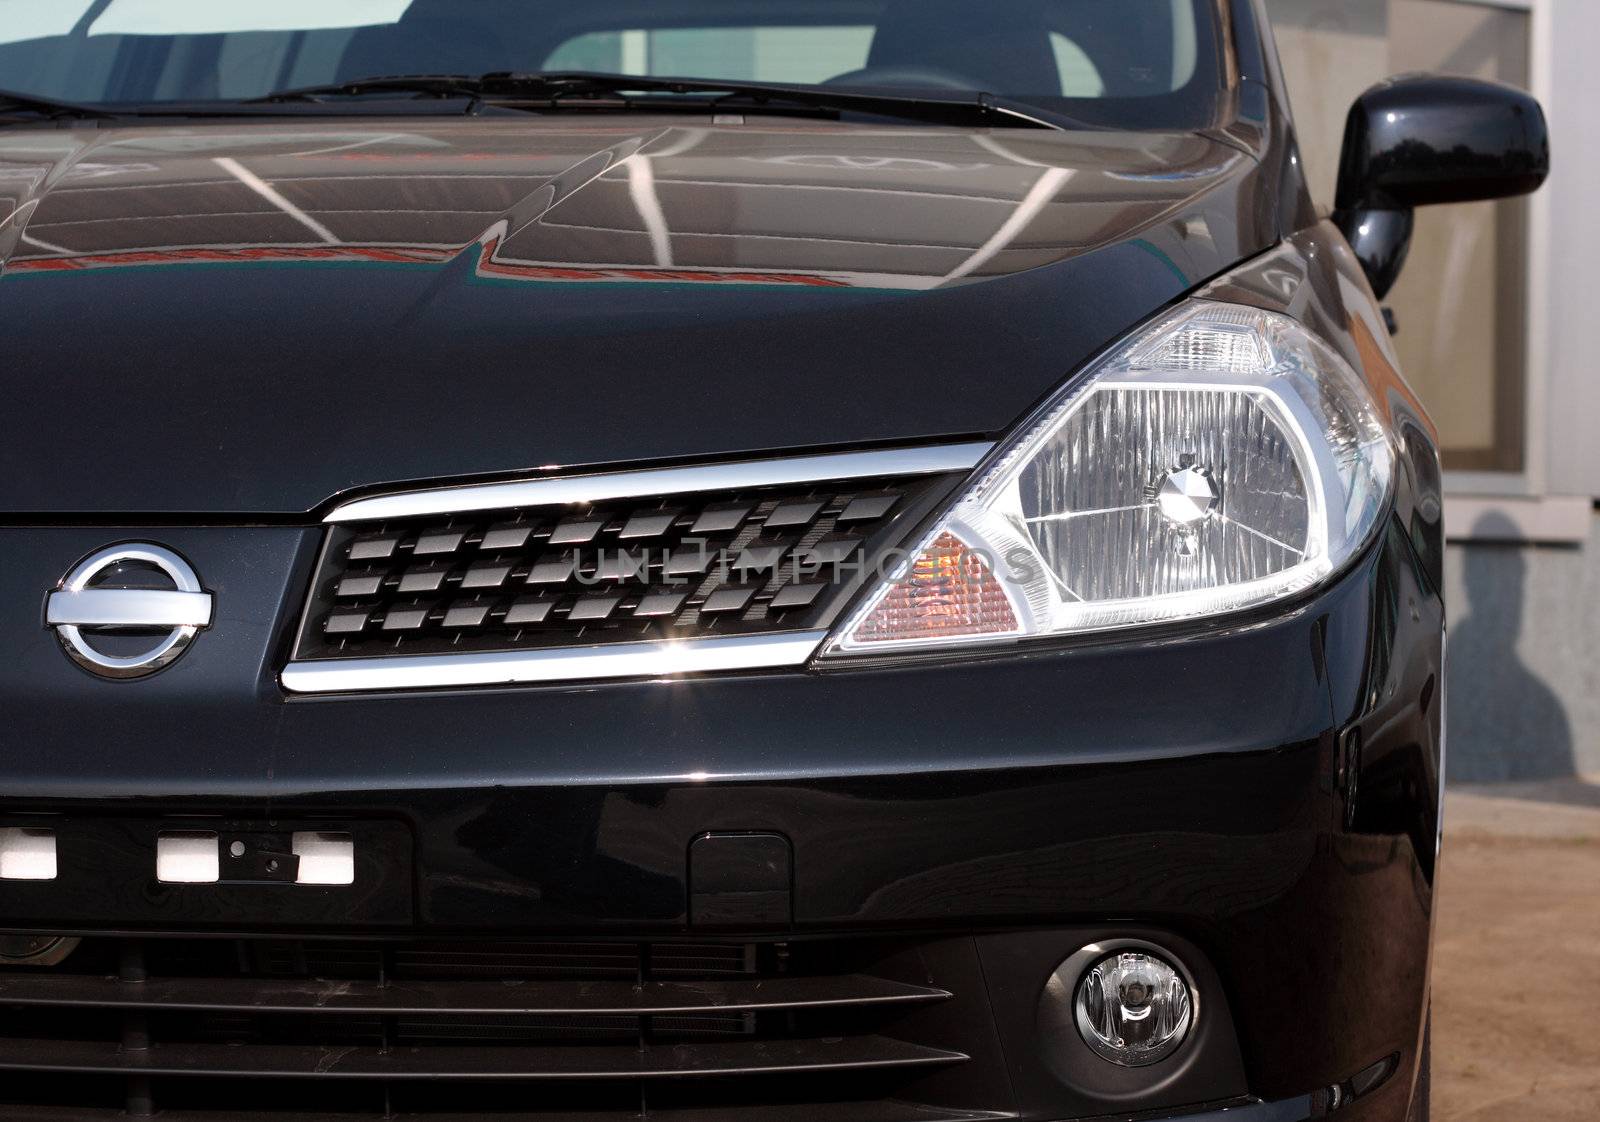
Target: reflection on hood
257, 318
903, 208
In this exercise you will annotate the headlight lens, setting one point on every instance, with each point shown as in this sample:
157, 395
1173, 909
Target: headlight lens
1222, 459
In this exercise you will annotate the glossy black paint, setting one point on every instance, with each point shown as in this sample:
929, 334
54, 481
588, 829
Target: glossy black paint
1422, 140
1263, 789
1418, 141
1382, 241
796, 255
742, 881
573, 809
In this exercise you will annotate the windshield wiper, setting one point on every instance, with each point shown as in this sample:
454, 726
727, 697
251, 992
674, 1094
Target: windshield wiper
12, 104
576, 88
430, 85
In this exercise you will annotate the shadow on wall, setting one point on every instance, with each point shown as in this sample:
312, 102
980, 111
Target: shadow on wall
1505, 723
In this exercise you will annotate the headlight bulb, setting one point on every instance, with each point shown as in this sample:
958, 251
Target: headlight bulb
1188, 493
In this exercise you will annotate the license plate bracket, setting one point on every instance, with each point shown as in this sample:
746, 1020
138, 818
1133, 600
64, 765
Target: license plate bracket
268, 858
106, 875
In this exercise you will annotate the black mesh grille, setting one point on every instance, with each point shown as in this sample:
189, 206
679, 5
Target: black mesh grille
679, 567
289, 1031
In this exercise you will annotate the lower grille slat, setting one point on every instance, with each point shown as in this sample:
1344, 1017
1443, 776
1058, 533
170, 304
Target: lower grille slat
823, 1112
468, 1064
266, 1029
462, 998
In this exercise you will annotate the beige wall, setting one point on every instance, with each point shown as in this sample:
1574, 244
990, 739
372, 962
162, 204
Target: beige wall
1461, 301
1332, 50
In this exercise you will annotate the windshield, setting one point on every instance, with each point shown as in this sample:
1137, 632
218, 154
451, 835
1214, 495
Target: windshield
1114, 63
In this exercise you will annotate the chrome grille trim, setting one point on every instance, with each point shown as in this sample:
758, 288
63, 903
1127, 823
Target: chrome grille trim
616, 660
611, 486
647, 659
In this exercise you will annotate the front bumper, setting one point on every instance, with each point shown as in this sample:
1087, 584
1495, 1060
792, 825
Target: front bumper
1265, 792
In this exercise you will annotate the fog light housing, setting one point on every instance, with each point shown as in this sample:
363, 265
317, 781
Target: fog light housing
35, 950
1133, 1008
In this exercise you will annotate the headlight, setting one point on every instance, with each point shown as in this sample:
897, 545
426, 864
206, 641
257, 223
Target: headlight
1220, 460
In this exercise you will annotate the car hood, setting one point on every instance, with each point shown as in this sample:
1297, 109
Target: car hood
255, 318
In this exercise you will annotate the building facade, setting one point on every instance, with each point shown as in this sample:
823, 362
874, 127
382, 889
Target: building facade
1498, 335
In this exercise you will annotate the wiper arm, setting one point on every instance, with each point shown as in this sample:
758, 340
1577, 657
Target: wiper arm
973, 108
431, 85
49, 108
550, 89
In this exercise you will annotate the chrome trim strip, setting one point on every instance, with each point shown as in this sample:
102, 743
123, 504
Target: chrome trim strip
663, 481
619, 660
127, 607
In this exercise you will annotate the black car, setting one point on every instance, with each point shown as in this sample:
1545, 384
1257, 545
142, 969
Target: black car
712, 561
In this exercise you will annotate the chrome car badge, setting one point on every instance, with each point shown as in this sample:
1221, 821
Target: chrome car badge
129, 610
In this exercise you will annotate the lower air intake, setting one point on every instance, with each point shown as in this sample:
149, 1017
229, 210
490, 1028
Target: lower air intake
288, 1031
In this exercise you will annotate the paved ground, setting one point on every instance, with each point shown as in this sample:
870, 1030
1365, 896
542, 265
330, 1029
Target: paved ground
1516, 983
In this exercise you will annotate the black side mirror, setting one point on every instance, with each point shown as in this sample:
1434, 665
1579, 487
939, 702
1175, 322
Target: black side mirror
1423, 139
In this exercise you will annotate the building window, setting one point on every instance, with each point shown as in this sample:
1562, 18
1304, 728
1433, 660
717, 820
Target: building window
1461, 303
764, 54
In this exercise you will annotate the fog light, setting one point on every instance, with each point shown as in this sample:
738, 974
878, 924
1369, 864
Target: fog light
1133, 1009
35, 950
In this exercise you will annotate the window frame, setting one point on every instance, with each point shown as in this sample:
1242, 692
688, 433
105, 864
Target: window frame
1530, 499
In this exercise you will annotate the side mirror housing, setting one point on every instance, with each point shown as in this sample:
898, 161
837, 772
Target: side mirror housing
1420, 140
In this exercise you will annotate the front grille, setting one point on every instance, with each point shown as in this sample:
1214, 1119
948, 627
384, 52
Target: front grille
684, 566
290, 1031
